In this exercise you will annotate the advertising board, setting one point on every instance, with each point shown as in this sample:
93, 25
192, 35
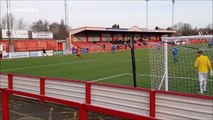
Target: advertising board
42, 35
15, 34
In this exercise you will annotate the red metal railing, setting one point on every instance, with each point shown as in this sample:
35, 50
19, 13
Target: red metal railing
85, 107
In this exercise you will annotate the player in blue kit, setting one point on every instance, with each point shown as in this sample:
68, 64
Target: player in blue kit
175, 53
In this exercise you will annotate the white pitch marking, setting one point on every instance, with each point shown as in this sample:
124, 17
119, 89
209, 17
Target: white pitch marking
123, 59
118, 75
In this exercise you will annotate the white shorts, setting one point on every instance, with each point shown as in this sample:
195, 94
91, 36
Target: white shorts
202, 76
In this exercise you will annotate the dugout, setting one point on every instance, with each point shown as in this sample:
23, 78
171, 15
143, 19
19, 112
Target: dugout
103, 34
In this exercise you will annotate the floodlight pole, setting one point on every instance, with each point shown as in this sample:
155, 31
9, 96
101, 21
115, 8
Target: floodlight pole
66, 22
9, 32
0, 17
173, 3
147, 13
66, 13
133, 62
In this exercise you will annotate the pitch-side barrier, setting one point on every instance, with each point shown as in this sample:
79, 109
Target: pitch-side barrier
122, 101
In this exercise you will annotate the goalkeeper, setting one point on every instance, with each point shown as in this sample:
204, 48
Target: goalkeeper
202, 65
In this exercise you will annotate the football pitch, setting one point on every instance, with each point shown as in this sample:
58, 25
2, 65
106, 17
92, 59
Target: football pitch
100, 67
107, 67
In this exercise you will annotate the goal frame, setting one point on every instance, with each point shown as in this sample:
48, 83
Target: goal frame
166, 41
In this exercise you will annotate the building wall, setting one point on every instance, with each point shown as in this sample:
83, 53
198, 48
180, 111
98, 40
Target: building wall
106, 37
137, 36
80, 37
118, 36
127, 37
93, 37
31, 45
145, 36
152, 36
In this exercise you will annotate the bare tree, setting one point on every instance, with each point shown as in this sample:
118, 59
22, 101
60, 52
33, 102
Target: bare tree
40, 26
14, 23
4, 24
11, 23
209, 28
178, 26
21, 25
54, 27
62, 33
186, 29
116, 26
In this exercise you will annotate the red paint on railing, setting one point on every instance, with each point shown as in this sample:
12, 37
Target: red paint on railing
84, 108
152, 104
5, 105
184, 94
49, 78
10, 81
88, 92
117, 113
42, 86
83, 113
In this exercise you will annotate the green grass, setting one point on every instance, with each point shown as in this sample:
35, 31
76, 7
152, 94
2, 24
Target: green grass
92, 66
112, 68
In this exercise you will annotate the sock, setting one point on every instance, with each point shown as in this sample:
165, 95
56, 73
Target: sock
205, 84
201, 87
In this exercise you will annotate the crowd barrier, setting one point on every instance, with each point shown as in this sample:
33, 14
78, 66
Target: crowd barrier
122, 101
12, 55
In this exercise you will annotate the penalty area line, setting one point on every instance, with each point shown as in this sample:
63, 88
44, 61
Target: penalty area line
114, 76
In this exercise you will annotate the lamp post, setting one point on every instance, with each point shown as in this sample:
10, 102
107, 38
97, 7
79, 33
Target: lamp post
0, 16
173, 3
9, 32
147, 13
66, 13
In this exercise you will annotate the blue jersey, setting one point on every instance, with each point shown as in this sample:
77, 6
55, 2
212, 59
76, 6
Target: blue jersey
211, 42
158, 46
113, 47
175, 51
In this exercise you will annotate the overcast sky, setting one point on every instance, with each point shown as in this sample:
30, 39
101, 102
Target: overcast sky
105, 13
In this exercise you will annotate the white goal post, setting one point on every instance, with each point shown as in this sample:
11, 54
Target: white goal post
171, 75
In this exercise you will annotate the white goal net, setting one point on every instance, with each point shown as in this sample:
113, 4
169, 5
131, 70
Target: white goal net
172, 63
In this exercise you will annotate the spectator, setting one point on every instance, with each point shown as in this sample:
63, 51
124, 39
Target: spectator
73, 50
104, 46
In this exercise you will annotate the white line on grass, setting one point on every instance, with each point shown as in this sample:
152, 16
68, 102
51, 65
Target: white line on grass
118, 75
122, 59
83, 61
144, 75
186, 78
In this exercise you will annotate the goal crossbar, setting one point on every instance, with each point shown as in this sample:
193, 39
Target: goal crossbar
166, 39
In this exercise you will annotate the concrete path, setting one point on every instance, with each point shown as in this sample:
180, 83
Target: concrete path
27, 109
